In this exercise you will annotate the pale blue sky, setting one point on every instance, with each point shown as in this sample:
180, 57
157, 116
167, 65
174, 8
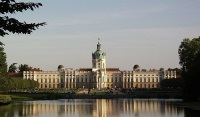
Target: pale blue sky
144, 32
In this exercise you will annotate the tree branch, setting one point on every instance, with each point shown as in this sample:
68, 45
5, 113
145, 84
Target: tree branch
10, 6
14, 26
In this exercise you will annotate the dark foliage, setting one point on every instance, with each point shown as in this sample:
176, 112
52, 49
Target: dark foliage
3, 67
24, 67
12, 25
12, 68
189, 54
172, 83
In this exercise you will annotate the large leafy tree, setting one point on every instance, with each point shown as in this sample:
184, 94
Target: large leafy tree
189, 54
24, 67
8, 24
12, 68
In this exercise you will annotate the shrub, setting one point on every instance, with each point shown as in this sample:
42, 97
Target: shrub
4, 99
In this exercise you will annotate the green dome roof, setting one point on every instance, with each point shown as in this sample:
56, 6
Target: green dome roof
60, 67
99, 54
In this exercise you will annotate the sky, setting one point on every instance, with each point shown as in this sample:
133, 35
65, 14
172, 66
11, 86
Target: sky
143, 32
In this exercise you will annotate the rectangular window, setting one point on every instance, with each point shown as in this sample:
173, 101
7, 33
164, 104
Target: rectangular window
152, 85
140, 85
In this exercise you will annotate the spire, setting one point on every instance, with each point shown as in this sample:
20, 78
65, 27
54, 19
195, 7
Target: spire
98, 40
98, 45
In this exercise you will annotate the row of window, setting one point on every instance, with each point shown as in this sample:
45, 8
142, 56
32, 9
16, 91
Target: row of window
90, 80
90, 75
147, 80
146, 86
149, 75
73, 80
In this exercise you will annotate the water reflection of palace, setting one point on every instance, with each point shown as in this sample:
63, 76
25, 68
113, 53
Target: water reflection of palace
100, 108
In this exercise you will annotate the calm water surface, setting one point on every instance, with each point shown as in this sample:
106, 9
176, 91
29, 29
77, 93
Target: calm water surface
98, 108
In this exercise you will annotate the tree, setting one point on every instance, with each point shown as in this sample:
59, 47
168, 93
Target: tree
24, 67
12, 25
161, 69
189, 54
18, 83
3, 68
3, 64
172, 83
12, 68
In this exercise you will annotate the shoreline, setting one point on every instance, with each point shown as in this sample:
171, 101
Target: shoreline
49, 96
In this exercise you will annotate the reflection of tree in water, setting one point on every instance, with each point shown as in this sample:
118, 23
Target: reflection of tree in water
10, 110
191, 113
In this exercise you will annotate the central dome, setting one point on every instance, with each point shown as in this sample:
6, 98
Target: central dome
99, 54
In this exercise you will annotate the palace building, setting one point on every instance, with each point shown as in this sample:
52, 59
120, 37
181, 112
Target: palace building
99, 76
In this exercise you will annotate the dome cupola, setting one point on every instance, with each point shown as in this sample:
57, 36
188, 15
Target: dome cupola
99, 54
61, 68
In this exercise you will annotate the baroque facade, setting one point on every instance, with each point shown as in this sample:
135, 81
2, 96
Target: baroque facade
99, 76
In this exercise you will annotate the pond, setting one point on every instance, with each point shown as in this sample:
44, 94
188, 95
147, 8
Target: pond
98, 108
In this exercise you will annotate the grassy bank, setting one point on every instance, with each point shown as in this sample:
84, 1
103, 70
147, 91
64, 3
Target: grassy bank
100, 94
